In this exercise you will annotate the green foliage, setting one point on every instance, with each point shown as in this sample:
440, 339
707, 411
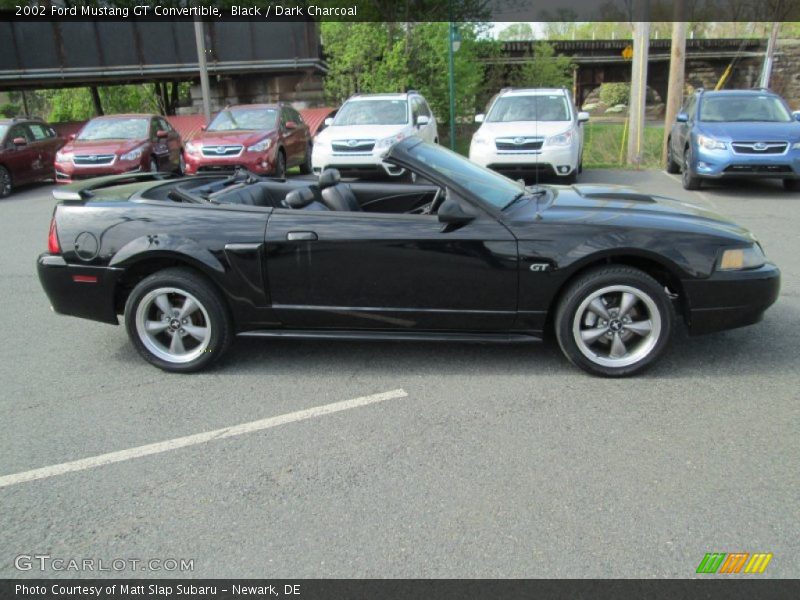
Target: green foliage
516, 32
75, 104
394, 57
9, 110
543, 69
612, 94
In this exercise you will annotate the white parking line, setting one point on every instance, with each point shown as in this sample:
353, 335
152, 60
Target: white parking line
705, 197
198, 438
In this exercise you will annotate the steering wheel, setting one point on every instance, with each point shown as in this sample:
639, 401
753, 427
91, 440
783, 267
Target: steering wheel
438, 198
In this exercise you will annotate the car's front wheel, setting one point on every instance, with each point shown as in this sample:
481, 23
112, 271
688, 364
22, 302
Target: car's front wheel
672, 165
305, 168
280, 165
177, 321
689, 180
614, 321
6, 183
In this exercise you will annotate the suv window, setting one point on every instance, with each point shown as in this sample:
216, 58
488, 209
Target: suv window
20, 131
164, 125
690, 106
39, 131
415, 109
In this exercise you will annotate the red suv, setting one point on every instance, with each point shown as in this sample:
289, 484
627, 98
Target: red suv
27, 149
263, 138
120, 144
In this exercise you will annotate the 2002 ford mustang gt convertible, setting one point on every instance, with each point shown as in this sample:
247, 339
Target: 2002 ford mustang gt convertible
467, 255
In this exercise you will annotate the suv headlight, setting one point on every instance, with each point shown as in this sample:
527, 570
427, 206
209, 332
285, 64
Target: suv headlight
562, 139
134, 154
736, 259
386, 142
63, 156
192, 147
321, 142
796, 146
261, 146
710, 143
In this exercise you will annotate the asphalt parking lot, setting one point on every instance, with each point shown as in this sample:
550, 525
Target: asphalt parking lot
497, 461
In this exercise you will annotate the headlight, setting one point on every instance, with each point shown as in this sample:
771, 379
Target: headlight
796, 146
192, 148
321, 143
261, 146
562, 139
736, 259
63, 156
386, 142
479, 140
134, 154
710, 143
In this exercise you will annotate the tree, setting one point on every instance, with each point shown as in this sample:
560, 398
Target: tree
516, 32
543, 69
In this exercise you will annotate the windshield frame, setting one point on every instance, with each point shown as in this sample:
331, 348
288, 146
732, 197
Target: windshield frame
511, 97
753, 97
93, 123
350, 103
235, 109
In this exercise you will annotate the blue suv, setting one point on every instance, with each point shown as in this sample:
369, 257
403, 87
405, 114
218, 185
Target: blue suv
735, 133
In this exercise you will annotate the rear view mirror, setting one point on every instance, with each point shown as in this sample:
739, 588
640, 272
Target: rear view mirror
161, 134
479, 118
328, 122
203, 127
682, 117
71, 137
20, 141
583, 117
452, 214
291, 125
423, 120
796, 115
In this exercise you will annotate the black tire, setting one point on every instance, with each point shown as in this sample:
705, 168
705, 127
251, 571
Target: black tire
181, 165
280, 165
153, 165
211, 318
672, 166
569, 179
689, 180
305, 168
652, 308
6, 183
791, 185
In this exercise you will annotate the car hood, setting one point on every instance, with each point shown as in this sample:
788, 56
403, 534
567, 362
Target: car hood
752, 132
520, 128
360, 132
219, 138
623, 206
102, 146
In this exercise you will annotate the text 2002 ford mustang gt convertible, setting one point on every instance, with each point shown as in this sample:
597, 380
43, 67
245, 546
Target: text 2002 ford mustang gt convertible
469, 255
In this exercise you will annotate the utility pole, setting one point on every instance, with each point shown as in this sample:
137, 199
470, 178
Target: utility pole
636, 106
677, 63
766, 70
451, 82
200, 39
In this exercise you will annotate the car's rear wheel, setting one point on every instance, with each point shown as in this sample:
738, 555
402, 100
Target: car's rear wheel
791, 185
305, 168
6, 183
689, 180
177, 321
614, 321
672, 165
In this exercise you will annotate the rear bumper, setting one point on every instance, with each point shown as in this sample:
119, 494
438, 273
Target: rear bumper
78, 290
727, 300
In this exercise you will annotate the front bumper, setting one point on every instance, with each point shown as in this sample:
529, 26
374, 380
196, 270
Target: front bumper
730, 299
67, 172
79, 290
353, 164
558, 161
726, 164
260, 163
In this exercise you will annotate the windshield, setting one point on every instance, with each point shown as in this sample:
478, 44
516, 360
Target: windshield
719, 109
530, 108
115, 129
235, 119
373, 112
3, 129
487, 185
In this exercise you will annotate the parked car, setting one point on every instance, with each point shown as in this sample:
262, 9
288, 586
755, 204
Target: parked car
733, 134
27, 150
472, 256
118, 144
365, 126
263, 138
529, 133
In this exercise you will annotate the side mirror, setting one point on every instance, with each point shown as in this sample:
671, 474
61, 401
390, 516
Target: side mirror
161, 134
452, 214
71, 137
583, 117
796, 115
20, 141
291, 125
203, 127
328, 122
479, 118
682, 117
423, 120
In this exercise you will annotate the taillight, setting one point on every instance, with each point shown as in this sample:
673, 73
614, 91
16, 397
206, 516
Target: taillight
53, 247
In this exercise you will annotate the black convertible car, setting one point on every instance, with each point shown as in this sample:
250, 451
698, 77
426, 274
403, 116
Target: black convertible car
467, 255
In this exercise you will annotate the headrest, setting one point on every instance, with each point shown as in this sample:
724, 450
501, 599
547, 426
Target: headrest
299, 198
328, 178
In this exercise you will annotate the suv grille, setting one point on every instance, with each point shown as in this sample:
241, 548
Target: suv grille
759, 147
212, 151
353, 146
91, 160
519, 144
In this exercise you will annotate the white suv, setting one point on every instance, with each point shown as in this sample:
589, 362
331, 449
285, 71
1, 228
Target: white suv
365, 126
528, 132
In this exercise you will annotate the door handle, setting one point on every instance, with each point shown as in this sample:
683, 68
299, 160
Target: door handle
301, 236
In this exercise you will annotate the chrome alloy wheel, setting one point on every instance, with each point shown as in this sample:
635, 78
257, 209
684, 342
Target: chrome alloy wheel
173, 325
617, 326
